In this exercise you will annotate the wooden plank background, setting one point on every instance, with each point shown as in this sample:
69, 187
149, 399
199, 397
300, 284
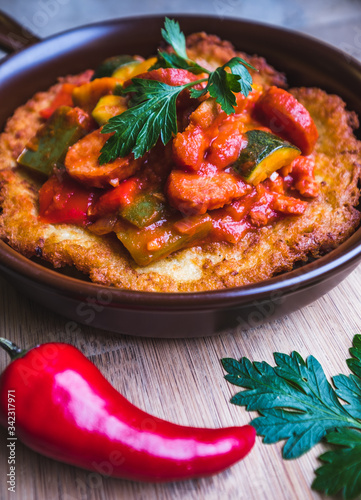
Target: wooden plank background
182, 380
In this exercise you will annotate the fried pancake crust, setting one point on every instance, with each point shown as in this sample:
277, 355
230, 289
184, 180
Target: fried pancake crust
329, 219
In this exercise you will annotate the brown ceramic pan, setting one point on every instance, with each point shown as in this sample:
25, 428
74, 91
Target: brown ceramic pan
35, 67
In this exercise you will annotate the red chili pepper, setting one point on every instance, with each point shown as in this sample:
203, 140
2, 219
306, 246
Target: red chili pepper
67, 410
280, 110
62, 200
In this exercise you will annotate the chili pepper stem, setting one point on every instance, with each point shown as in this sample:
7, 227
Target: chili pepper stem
12, 349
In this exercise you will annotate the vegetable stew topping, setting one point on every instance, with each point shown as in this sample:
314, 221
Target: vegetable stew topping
169, 155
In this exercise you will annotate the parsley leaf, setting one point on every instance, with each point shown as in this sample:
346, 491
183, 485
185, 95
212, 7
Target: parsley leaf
295, 400
179, 59
238, 67
175, 37
222, 85
349, 388
297, 403
342, 470
138, 128
152, 112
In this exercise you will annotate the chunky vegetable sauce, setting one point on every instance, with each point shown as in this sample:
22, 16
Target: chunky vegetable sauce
220, 177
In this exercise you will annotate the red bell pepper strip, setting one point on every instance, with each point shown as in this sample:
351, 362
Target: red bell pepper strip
116, 198
62, 98
62, 200
288, 118
67, 410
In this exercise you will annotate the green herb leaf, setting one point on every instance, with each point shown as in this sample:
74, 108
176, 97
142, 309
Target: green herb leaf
349, 387
175, 37
222, 85
238, 67
298, 404
354, 363
152, 112
179, 59
342, 470
138, 128
295, 400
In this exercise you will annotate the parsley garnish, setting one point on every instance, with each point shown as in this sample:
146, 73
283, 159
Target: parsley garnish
172, 34
297, 404
342, 470
222, 85
138, 128
152, 113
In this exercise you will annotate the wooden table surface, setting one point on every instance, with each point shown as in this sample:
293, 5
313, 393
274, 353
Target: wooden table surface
182, 380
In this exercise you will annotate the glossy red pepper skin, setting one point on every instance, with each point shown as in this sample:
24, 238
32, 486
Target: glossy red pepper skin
62, 98
63, 200
116, 198
64, 95
67, 410
280, 110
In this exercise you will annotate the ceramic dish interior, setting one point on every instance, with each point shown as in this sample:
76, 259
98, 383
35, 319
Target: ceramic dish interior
305, 60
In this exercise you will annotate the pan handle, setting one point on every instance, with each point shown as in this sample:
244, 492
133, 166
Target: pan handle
13, 36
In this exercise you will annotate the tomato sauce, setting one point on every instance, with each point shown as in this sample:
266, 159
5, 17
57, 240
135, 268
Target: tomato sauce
188, 193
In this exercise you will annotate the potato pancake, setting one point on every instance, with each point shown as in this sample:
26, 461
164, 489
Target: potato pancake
329, 219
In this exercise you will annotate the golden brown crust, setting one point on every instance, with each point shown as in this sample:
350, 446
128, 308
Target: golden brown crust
329, 220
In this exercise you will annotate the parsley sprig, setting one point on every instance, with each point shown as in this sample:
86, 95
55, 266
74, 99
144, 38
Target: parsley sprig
297, 404
139, 128
172, 34
222, 85
152, 113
